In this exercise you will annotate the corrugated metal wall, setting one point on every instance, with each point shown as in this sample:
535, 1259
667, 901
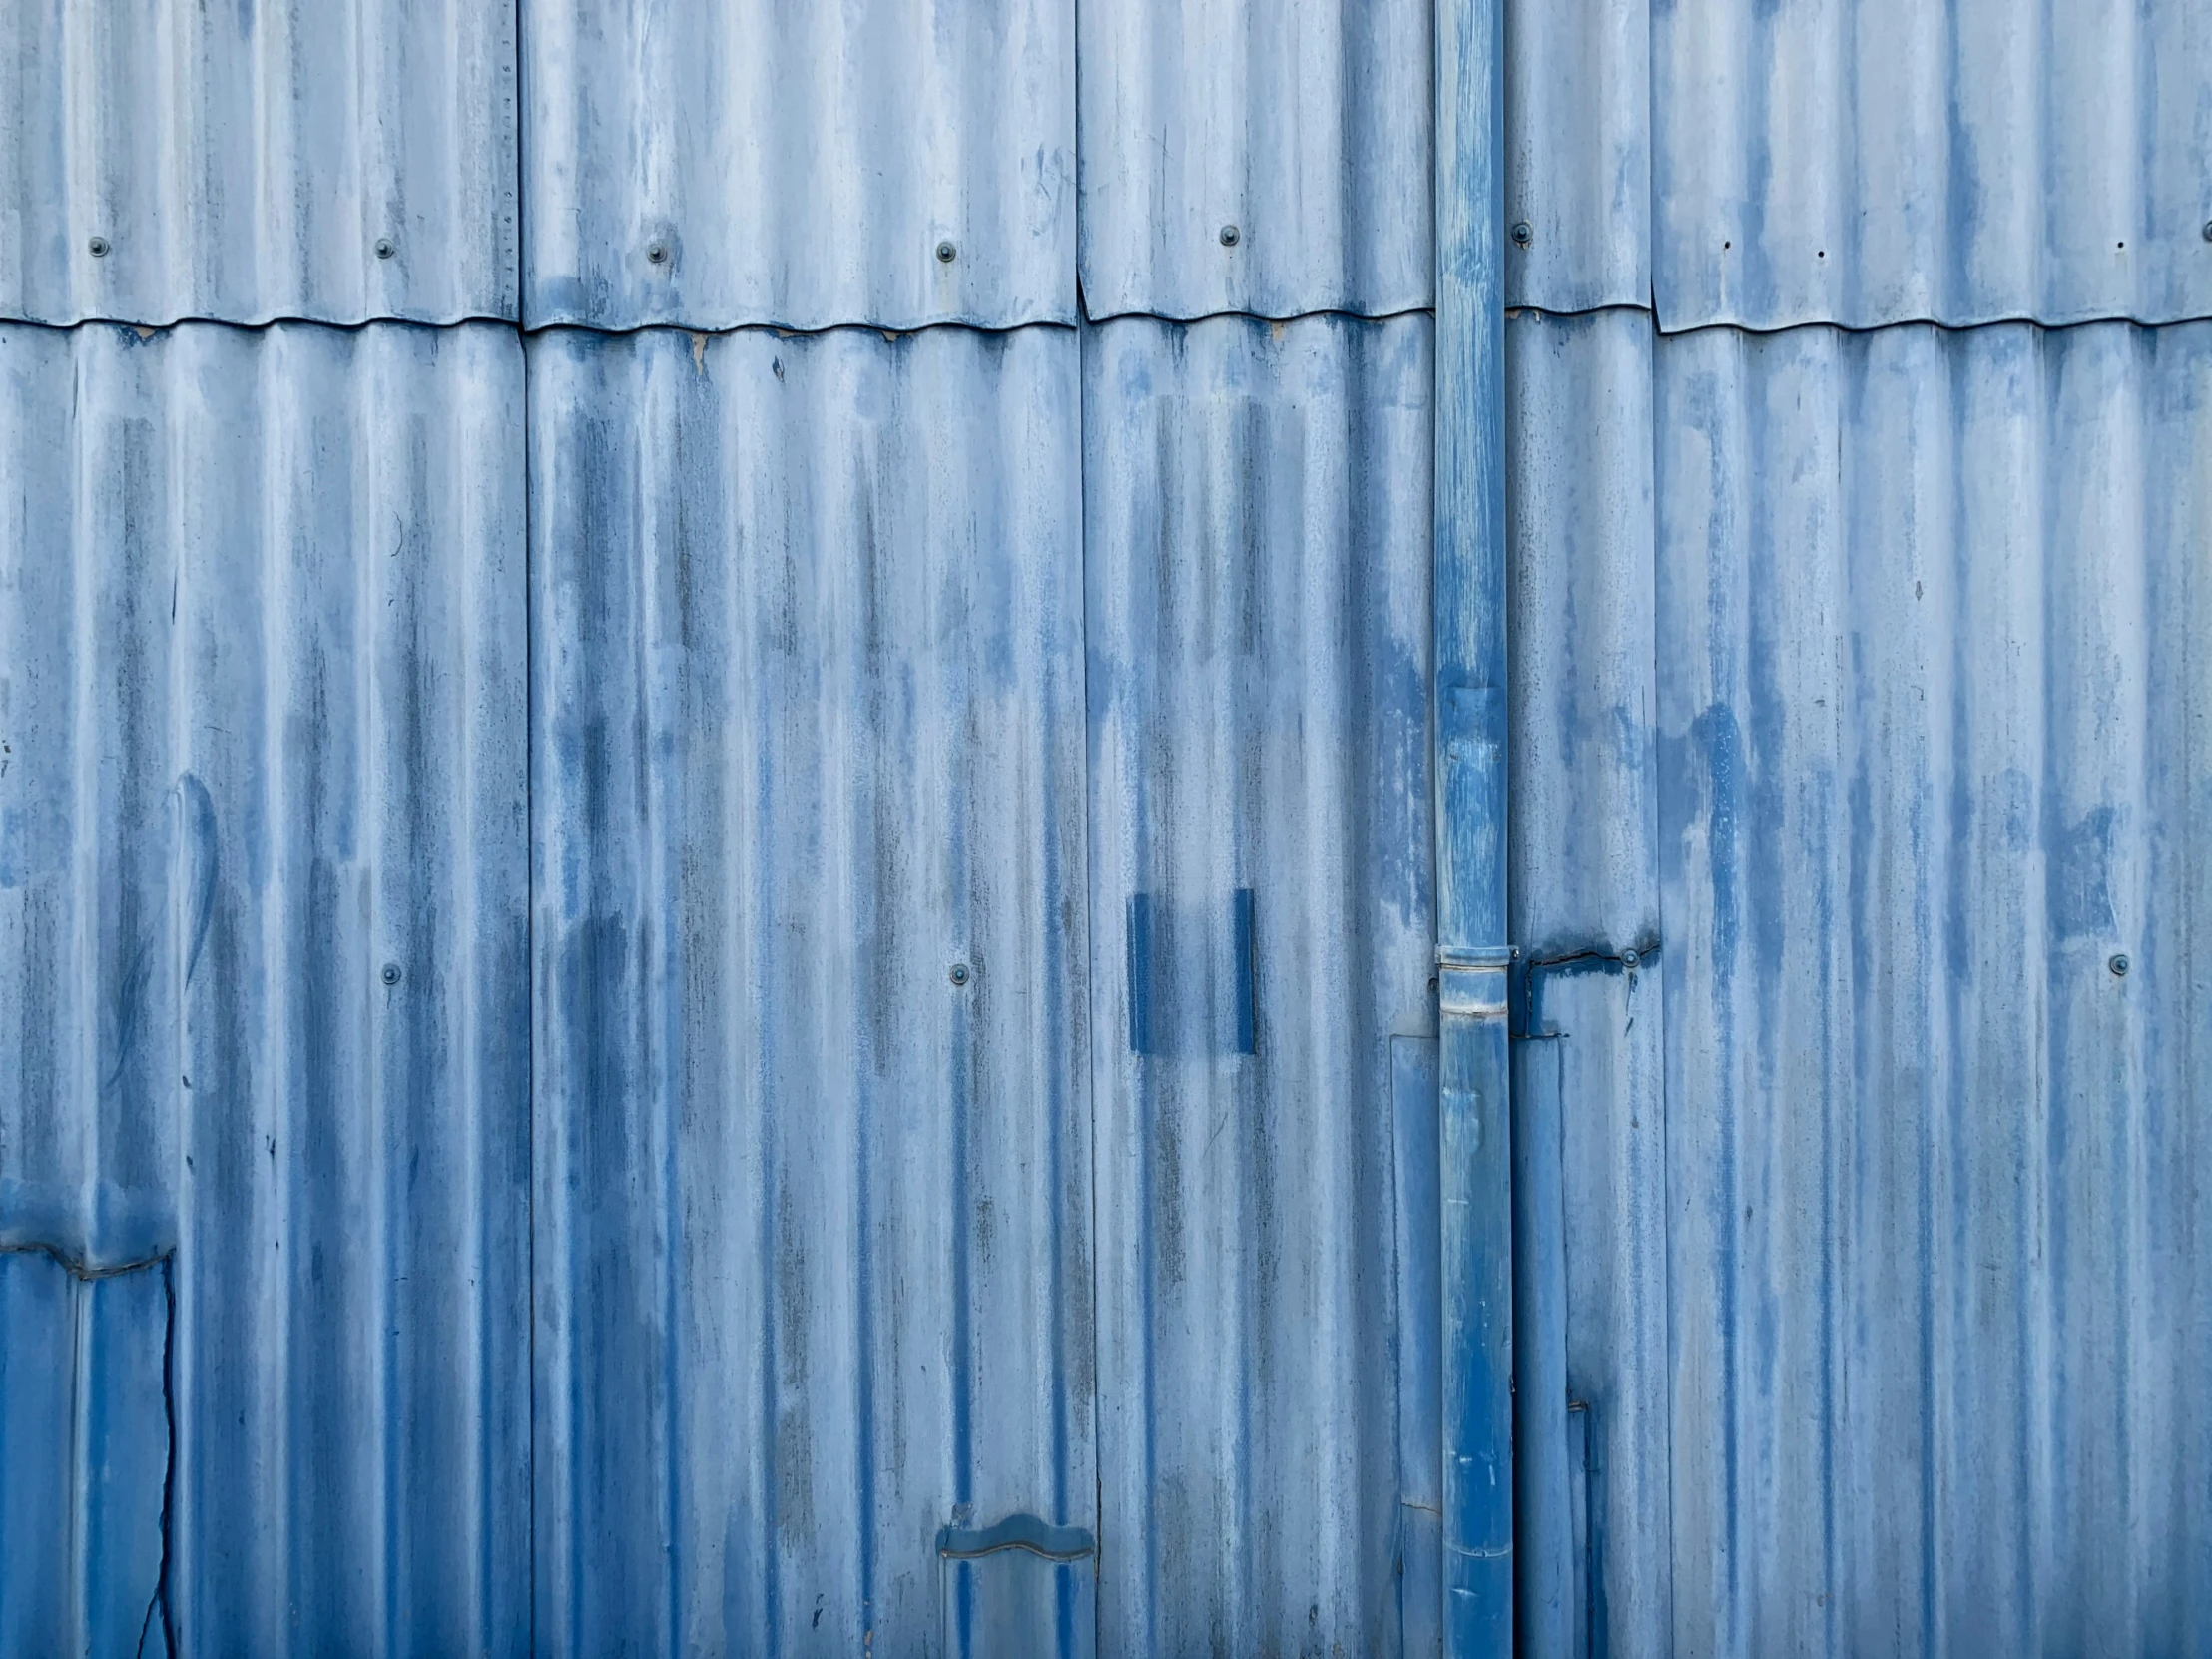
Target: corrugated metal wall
882, 882
1860, 707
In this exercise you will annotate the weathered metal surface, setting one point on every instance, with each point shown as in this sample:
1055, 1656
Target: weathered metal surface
1305, 126
84, 1444
1865, 162
263, 1006
1931, 754
1472, 733
714, 162
1577, 154
812, 1188
1590, 1326
244, 162
1257, 537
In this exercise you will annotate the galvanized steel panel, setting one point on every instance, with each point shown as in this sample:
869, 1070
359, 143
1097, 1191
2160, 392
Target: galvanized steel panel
1309, 128
1263, 916
1931, 754
1590, 1250
714, 162
1866, 162
1577, 154
262, 876
813, 1275
247, 162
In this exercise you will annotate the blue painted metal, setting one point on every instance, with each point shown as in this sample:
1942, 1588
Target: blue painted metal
1257, 540
262, 741
1305, 126
1475, 1119
243, 162
1873, 672
814, 1154
714, 162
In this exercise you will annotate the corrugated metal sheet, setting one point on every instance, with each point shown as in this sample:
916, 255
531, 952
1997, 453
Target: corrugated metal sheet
714, 162
1932, 738
1262, 904
244, 162
1578, 153
262, 876
814, 1275
1590, 1123
1308, 128
1865, 162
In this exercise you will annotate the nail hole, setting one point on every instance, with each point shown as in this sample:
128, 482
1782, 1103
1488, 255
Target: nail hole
1727, 245
1231, 235
97, 247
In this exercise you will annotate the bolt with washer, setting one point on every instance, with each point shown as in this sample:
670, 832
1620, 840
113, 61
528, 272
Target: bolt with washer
2118, 965
1524, 232
946, 253
1231, 235
656, 253
391, 973
960, 973
386, 247
97, 247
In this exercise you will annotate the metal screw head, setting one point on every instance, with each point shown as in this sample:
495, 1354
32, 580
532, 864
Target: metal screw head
656, 253
97, 247
960, 973
391, 973
1629, 960
1231, 235
2209, 230
2118, 965
946, 253
1524, 232
386, 247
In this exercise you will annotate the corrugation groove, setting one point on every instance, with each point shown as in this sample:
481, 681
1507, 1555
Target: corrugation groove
1931, 756
812, 1265
261, 709
1257, 604
715, 164
244, 162
1307, 128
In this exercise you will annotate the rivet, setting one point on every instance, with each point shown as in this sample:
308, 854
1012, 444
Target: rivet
2118, 965
391, 973
1231, 235
946, 253
656, 253
97, 247
960, 973
1524, 232
386, 247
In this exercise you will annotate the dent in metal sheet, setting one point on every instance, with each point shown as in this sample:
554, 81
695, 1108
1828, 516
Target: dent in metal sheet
333, 160
1258, 551
1867, 162
814, 1271
260, 693
1266, 159
896, 163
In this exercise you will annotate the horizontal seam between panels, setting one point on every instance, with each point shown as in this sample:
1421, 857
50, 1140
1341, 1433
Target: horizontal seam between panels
1513, 312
